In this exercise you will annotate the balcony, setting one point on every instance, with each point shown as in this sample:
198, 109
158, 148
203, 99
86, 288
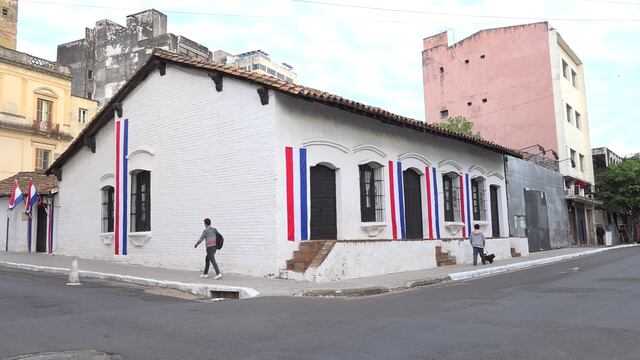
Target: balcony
36, 63
46, 127
577, 193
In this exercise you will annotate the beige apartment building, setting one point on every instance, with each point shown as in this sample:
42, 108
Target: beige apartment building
38, 115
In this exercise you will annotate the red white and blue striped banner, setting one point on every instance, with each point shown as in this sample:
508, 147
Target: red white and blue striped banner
50, 227
396, 200
120, 211
297, 194
433, 213
469, 214
465, 204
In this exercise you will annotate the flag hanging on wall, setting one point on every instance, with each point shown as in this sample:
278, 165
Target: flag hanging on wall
297, 195
32, 197
16, 196
465, 204
433, 212
396, 200
122, 178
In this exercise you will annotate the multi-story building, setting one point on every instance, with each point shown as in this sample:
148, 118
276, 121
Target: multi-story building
9, 23
38, 115
257, 61
603, 157
522, 86
111, 53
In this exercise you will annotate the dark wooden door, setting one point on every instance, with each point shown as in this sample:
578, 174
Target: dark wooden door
323, 203
412, 204
535, 205
495, 218
41, 229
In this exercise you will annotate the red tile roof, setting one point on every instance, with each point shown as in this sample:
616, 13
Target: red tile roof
45, 184
299, 91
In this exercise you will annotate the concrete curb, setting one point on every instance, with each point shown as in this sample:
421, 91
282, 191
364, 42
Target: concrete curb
193, 288
368, 291
465, 275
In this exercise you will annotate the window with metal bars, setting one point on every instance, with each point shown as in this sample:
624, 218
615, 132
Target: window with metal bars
107, 209
140, 201
371, 192
451, 187
478, 199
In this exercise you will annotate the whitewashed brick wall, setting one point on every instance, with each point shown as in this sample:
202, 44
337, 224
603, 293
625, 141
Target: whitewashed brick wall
212, 156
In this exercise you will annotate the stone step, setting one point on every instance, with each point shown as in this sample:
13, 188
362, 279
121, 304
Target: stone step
447, 262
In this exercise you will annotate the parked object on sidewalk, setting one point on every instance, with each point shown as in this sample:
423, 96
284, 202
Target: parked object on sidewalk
74, 278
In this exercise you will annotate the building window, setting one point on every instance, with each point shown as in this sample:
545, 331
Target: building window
82, 116
565, 69
140, 201
107, 209
574, 78
469, 103
573, 158
90, 74
371, 192
5, 11
256, 66
444, 114
578, 120
569, 113
478, 199
451, 187
44, 110
581, 162
43, 159
90, 95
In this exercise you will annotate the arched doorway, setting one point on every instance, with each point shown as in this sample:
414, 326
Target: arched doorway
412, 204
323, 203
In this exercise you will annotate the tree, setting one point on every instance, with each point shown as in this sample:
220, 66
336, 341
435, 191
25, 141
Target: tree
619, 186
458, 124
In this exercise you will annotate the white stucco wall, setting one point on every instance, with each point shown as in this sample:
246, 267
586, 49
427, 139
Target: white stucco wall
343, 140
211, 154
354, 259
221, 155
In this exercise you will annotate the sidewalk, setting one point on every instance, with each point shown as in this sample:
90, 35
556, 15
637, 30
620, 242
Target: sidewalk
241, 286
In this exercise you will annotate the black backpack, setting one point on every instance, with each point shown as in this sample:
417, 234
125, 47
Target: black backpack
219, 240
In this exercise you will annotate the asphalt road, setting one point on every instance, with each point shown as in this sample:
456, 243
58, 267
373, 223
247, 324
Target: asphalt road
588, 308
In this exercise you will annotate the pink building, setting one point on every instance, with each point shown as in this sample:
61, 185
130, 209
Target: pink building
520, 85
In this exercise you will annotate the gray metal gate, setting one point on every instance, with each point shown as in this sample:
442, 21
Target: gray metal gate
537, 220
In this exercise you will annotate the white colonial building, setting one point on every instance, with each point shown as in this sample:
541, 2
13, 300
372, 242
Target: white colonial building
274, 165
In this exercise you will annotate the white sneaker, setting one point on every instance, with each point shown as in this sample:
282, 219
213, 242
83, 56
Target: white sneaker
204, 276
217, 277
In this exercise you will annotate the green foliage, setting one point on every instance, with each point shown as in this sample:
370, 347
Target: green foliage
619, 186
459, 124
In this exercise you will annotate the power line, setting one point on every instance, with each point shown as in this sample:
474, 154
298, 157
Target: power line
314, 2
181, 12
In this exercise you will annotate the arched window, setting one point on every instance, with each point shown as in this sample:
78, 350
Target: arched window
371, 192
140, 201
107, 209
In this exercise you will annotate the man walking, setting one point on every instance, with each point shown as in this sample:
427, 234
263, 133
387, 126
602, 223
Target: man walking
209, 235
477, 242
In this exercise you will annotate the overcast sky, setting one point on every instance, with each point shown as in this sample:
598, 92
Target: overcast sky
370, 51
